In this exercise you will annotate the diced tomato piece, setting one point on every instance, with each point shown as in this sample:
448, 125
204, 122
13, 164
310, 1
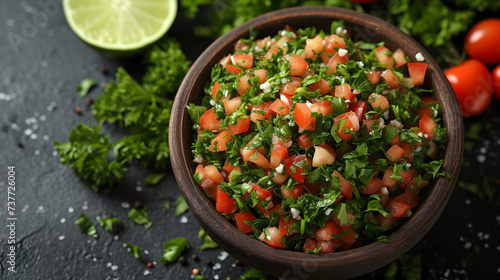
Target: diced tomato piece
262, 74
310, 245
225, 60
273, 50
209, 121
263, 194
417, 72
260, 160
232, 105
313, 47
213, 173
240, 218
261, 112
241, 126
276, 209
394, 153
219, 143
359, 108
369, 123
344, 91
205, 181
384, 57
243, 85
323, 107
347, 239
325, 57
299, 163
399, 57
336, 59
387, 222
215, 89
290, 87
325, 233
387, 181
303, 118
279, 178
427, 125
323, 154
243, 60
278, 154
391, 79
312, 188
373, 76
287, 225
272, 236
298, 65
408, 154
401, 204
377, 100
333, 43
426, 110
228, 167
351, 124
279, 107
405, 175
235, 70
295, 192
286, 98
321, 85
303, 141
281, 42
225, 204
373, 186
346, 190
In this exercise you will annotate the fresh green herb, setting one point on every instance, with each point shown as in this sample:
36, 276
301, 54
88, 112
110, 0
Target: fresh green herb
134, 251
140, 216
406, 267
180, 206
86, 225
200, 277
487, 190
208, 243
253, 274
154, 179
166, 205
84, 87
173, 249
111, 224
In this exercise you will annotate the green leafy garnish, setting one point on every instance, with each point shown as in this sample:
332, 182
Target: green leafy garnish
208, 243
140, 216
110, 224
84, 87
86, 225
173, 249
135, 251
154, 179
180, 206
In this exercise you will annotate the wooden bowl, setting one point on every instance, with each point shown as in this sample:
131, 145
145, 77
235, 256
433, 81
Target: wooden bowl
282, 263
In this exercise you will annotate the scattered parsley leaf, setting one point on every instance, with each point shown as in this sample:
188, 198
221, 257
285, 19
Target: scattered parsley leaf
84, 87
110, 224
253, 274
180, 206
154, 179
140, 217
208, 243
200, 277
86, 225
166, 205
135, 251
173, 249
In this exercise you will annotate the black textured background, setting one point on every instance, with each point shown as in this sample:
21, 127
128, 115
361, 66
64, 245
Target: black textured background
41, 63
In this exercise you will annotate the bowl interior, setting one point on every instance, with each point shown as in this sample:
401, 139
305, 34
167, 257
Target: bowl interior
346, 264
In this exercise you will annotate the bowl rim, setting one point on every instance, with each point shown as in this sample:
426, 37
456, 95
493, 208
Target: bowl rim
239, 244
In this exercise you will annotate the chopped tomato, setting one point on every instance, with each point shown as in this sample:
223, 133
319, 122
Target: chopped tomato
391, 79
243, 85
323, 154
425, 110
219, 143
295, 191
205, 181
295, 165
346, 190
235, 70
261, 112
351, 125
399, 58
213, 173
387, 222
373, 77
378, 101
287, 225
290, 87
333, 43
240, 218
417, 72
336, 59
344, 91
215, 89
232, 105
359, 108
263, 194
373, 186
225, 204
279, 107
321, 85
313, 47
325, 233
427, 125
209, 121
303, 141
387, 181
272, 236
394, 153
278, 154
243, 60
298, 65
322, 106
384, 57
303, 118
262, 74
401, 205
241, 126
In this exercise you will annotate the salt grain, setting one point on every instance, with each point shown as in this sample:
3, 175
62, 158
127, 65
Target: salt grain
216, 266
116, 237
481, 158
61, 237
467, 245
71, 210
183, 220
109, 264
114, 267
467, 201
125, 205
63, 220
138, 188
146, 272
223, 255
25, 208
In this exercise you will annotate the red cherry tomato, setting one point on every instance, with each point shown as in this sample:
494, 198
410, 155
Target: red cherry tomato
482, 41
471, 82
496, 81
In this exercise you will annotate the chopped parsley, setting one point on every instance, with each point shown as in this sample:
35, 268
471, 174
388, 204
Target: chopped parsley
86, 225
173, 249
135, 251
208, 243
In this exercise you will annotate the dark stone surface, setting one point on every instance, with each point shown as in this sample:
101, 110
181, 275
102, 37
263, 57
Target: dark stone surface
42, 61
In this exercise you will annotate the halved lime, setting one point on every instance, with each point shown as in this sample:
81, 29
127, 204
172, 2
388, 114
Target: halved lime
120, 27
